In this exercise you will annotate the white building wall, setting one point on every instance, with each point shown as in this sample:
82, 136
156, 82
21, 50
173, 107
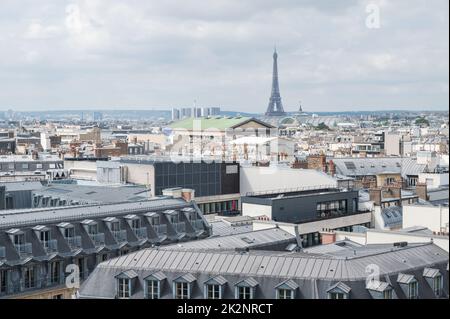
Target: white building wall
263, 179
434, 218
434, 180
254, 210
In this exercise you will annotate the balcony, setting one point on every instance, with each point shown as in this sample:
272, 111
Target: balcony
180, 227
98, 239
160, 229
197, 224
120, 235
140, 233
50, 245
24, 249
74, 242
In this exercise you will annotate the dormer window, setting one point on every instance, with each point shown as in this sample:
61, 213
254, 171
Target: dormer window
434, 278
246, 289
125, 284
286, 290
409, 285
153, 285
92, 229
182, 286
379, 289
339, 291
213, 288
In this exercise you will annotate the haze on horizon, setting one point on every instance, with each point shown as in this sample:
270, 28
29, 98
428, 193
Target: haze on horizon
141, 54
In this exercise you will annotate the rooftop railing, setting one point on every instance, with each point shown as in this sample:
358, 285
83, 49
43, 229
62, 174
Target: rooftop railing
160, 229
98, 239
180, 227
24, 249
140, 232
292, 190
50, 245
120, 235
74, 242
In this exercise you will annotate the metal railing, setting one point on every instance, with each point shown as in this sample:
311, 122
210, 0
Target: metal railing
160, 229
24, 249
74, 242
98, 239
180, 227
50, 245
197, 224
140, 232
120, 235
292, 190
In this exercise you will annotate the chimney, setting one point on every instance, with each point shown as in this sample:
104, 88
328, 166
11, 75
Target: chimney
332, 168
422, 191
188, 194
375, 196
328, 237
34, 155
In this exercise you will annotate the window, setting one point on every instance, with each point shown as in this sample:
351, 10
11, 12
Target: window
182, 290
336, 295
92, 229
55, 268
244, 292
45, 238
3, 281
213, 292
123, 288
19, 239
29, 277
437, 283
51, 166
25, 166
153, 289
285, 294
413, 290
38, 166
60, 296
115, 227
69, 232
135, 223
387, 294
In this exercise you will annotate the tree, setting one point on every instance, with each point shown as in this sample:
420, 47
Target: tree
422, 121
322, 127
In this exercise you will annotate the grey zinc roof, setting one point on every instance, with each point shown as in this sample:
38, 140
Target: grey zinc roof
340, 286
373, 166
377, 285
158, 275
220, 228
248, 282
431, 272
185, 278
127, 274
264, 263
251, 239
217, 280
16, 218
392, 216
405, 278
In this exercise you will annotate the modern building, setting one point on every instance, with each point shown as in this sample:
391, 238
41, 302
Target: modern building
38, 245
31, 167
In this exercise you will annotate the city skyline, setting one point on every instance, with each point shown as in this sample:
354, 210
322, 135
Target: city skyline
147, 55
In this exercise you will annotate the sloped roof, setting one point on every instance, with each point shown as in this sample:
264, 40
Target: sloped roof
248, 282
431, 272
340, 286
377, 285
405, 278
219, 123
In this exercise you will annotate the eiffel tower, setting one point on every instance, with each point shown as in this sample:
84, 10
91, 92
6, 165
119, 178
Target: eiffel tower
275, 107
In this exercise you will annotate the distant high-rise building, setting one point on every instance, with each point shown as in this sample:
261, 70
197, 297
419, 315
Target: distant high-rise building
97, 116
275, 107
175, 114
214, 111
206, 111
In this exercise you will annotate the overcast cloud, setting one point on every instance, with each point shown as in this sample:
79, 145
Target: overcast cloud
149, 53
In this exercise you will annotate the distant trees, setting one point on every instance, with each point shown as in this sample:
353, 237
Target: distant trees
322, 127
422, 121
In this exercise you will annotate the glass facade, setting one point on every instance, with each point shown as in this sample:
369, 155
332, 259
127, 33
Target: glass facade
207, 179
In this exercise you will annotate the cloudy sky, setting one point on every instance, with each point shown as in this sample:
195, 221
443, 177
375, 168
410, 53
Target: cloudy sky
140, 54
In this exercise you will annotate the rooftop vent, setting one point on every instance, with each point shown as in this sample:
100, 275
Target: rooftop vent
401, 244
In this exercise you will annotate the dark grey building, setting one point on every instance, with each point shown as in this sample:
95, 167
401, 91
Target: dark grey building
303, 206
37, 245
